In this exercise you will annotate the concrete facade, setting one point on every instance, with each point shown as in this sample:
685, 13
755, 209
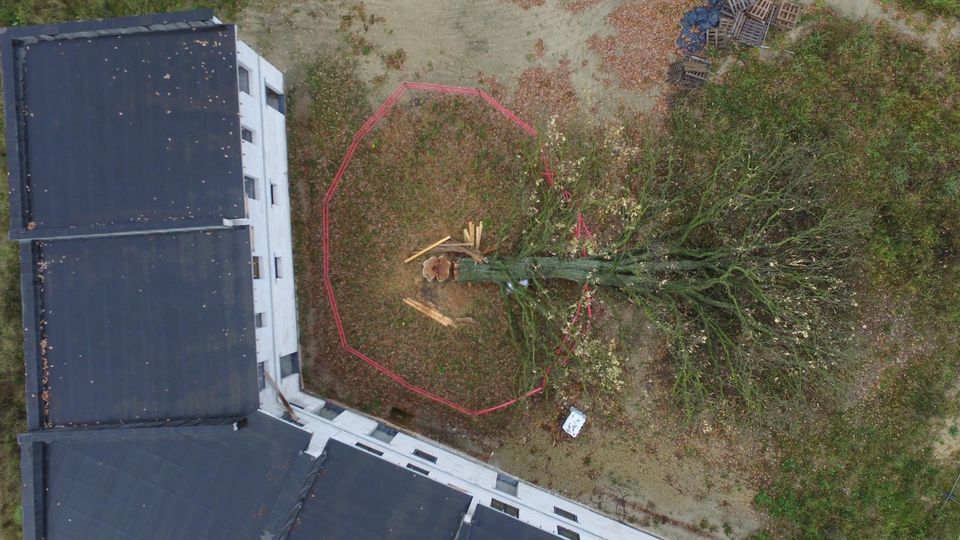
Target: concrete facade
268, 212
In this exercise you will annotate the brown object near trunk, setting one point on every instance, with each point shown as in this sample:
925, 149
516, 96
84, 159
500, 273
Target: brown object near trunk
430, 312
436, 268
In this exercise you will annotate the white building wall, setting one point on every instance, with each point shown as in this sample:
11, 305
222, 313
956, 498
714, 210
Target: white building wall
265, 160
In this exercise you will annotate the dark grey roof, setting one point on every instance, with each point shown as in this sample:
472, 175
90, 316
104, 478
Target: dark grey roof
140, 327
118, 128
359, 496
210, 482
490, 524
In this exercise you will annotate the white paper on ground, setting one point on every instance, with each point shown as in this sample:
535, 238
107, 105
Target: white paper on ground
574, 422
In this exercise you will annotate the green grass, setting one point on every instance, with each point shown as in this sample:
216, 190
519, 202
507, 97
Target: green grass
943, 8
26, 12
883, 115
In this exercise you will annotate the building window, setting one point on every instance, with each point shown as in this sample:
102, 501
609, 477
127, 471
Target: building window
256, 267
259, 319
330, 410
261, 376
273, 194
289, 364
567, 533
250, 187
244, 77
277, 267
505, 508
423, 455
507, 484
370, 449
274, 99
383, 433
420, 470
246, 134
564, 513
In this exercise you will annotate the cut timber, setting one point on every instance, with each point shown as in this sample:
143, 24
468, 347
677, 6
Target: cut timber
453, 248
283, 400
476, 240
430, 312
426, 249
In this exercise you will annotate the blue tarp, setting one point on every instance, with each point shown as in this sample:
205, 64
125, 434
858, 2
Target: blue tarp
695, 23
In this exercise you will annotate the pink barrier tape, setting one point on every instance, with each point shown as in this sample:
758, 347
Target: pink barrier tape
362, 132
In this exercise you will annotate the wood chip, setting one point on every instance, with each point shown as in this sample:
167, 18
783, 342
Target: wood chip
426, 249
430, 312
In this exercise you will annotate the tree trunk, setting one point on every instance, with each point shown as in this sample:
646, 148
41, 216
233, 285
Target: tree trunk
623, 271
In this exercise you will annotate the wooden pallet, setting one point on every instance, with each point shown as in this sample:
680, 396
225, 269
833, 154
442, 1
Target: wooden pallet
696, 71
787, 16
761, 10
753, 32
737, 25
733, 7
722, 34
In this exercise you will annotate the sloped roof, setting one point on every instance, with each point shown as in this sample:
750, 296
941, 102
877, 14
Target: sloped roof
141, 328
357, 495
490, 524
207, 481
122, 125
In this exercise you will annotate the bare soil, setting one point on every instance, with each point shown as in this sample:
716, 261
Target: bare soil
638, 460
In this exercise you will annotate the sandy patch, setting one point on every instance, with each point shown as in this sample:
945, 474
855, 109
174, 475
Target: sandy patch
460, 41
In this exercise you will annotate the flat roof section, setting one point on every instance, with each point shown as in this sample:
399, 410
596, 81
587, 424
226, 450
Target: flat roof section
166, 483
132, 130
490, 524
357, 495
140, 328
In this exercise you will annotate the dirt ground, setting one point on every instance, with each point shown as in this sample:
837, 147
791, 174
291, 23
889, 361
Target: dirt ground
641, 462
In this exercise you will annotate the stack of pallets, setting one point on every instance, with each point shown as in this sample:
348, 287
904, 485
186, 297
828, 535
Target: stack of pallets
748, 21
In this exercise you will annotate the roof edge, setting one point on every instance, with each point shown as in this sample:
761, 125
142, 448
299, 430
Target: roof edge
92, 25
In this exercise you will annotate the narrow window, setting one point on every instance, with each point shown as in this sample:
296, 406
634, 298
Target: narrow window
246, 135
289, 364
259, 319
277, 267
414, 468
505, 508
274, 99
256, 267
563, 513
507, 484
330, 410
423, 455
383, 433
244, 77
261, 377
567, 533
370, 449
250, 187
273, 194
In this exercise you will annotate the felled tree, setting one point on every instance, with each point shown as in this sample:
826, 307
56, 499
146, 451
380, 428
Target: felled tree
743, 269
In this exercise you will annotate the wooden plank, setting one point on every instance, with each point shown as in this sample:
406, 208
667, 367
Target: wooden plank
448, 248
426, 249
430, 312
479, 235
283, 400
